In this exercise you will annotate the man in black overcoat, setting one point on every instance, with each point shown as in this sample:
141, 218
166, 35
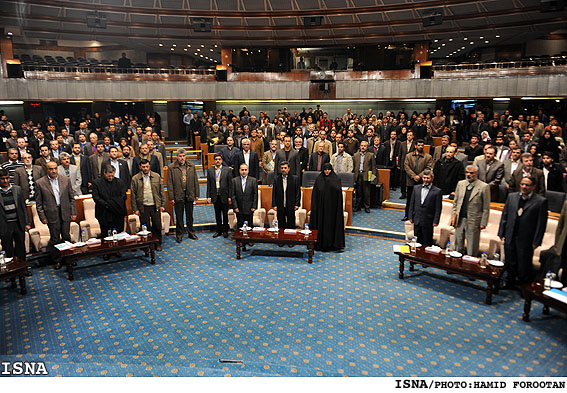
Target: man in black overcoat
425, 209
286, 196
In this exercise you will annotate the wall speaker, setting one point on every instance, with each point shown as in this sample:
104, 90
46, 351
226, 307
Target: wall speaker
552, 5
221, 76
14, 70
202, 25
96, 21
433, 19
312, 20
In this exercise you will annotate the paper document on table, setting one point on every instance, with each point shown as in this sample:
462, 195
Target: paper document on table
471, 259
64, 246
557, 295
291, 231
401, 248
258, 229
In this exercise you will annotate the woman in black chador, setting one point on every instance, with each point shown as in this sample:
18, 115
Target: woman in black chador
327, 211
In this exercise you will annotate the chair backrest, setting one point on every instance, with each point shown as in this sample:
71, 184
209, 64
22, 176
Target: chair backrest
89, 209
347, 179
40, 226
309, 178
555, 200
218, 148
446, 211
344, 200
271, 178
259, 199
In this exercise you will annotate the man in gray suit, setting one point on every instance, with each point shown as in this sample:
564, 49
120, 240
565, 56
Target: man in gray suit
244, 196
122, 171
512, 163
56, 208
14, 218
491, 171
71, 171
470, 211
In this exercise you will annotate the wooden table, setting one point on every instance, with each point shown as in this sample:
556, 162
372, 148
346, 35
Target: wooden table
490, 274
68, 257
276, 238
16, 269
534, 291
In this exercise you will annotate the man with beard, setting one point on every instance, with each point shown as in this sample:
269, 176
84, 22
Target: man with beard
84, 164
425, 209
414, 165
448, 171
552, 173
109, 195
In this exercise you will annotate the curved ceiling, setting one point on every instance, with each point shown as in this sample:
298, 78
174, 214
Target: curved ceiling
144, 24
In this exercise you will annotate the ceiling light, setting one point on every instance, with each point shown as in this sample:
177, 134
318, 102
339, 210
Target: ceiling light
486, 42
462, 47
201, 55
472, 43
188, 45
196, 53
202, 46
216, 45
211, 49
497, 36
185, 49
443, 44
160, 44
450, 39
481, 37
465, 38
435, 40
174, 45
198, 49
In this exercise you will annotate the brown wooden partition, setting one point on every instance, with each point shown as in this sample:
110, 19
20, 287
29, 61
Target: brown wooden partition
384, 178
266, 201
436, 140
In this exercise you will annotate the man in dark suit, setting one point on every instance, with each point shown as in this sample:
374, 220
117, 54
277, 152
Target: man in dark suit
318, 158
552, 172
248, 157
286, 196
406, 147
393, 159
302, 155
527, 169
14, 218
244, 196
425, 209
288, 154
56, 208
219, 179
97, 159
522, 227
45, 157
145, 154
84, 164
122, 171
364, 167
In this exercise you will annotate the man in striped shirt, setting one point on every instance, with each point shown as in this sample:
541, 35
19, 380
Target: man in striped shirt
14, 216
12, 164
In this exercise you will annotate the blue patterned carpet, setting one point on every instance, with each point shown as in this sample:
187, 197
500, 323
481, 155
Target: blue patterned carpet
346, 314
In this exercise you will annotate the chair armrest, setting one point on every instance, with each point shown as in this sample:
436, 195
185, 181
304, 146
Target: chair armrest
35, 238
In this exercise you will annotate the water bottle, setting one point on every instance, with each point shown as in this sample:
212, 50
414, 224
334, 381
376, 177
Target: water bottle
2, 260
496, 257
483, 260
548, 279
413, 244
307, 229
84, 236
245, 228
276, 225
114, 236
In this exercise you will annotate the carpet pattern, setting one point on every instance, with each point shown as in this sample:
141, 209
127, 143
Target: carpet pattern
346, 314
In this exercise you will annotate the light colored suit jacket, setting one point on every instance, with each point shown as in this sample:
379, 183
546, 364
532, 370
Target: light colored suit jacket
74, 177
312, 146
479, 204
46, 202
346, 164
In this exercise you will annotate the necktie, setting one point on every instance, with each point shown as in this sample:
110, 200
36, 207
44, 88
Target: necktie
243, 184
67, 172
284, 191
